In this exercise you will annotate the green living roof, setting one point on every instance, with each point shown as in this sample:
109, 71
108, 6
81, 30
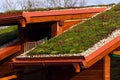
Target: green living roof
8, 34
82, 36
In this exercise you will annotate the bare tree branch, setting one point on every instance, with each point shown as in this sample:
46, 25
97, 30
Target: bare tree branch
31, 4
8, 5
82, 2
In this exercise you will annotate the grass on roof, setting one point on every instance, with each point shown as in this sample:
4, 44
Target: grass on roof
8, 34
83, 36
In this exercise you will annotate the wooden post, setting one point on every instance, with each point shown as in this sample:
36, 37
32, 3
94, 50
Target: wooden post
107, 67
22, 37
77, 67
22, 22
55, 29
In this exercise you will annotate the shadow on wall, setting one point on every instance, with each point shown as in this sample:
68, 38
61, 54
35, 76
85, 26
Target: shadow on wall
115, 68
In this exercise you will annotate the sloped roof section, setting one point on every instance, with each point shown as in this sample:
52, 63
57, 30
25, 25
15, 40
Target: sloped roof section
93, 39
83, 36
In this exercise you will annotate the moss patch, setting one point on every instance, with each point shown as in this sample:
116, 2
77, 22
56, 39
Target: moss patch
8, 34
83, 36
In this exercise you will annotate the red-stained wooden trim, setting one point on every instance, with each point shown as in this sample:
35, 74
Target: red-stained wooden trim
9, 50
48, 60
102, 51
53, 15
64, 12
57, 15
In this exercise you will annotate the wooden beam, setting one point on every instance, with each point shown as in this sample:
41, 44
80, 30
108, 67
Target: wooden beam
9, 77
22, 22
59, 17
61, 23
74, 20
64, 11
56, 29
107, 67
77, 67
116, 52
69, 24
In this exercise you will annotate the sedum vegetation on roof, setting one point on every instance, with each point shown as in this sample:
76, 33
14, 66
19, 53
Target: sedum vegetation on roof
82, 36
8, 34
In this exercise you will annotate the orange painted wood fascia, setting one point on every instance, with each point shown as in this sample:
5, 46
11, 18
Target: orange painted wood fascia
64, 12
55, 15
103, 51
58, 17
9, 50
13, 18
36, 60
46, 61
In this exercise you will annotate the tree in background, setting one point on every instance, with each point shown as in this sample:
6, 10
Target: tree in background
71, 3
65, 3
82, 2
8, 5
30, 4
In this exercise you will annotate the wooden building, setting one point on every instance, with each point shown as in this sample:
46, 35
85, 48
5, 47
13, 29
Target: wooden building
36, 27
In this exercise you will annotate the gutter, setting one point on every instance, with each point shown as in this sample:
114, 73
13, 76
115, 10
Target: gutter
48, 60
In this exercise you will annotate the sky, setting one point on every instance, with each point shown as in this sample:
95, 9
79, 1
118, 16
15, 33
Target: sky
96, 2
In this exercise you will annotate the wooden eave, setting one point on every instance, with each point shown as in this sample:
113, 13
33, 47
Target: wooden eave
10, 18
102, 51
45, 16
57, 15
48, 60
85, 61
